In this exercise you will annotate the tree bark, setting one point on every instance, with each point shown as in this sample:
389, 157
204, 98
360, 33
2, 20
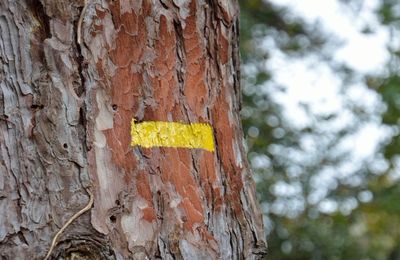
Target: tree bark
73, 76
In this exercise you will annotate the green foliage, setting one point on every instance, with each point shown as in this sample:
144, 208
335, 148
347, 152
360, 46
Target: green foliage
389, 90
366, 216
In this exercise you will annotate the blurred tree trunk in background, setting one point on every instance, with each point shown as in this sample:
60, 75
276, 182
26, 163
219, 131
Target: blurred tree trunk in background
66, 106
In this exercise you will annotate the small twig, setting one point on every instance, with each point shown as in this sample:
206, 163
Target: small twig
79, 30
90, 202
75, 216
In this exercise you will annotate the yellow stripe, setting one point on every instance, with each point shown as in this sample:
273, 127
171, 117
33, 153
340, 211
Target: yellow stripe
172, 134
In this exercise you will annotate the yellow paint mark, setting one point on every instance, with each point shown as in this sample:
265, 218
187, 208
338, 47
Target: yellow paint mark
172, 134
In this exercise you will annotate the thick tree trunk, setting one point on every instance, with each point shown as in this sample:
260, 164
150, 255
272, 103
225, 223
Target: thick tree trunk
73, 76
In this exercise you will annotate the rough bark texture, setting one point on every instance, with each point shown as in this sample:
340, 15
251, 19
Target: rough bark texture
65, 114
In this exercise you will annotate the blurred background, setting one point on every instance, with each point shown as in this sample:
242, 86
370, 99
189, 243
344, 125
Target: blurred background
321, 115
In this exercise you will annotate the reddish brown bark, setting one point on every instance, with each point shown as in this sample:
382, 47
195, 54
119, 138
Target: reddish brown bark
67, 109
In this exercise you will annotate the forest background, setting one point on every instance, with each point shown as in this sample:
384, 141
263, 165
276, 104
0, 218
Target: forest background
321, 107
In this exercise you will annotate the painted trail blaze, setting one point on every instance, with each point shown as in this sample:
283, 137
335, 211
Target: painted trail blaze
172, 134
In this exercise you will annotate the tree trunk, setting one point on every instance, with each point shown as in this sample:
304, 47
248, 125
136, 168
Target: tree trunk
74, 77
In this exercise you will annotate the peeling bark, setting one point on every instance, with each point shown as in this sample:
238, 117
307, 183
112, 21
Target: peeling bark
65, 115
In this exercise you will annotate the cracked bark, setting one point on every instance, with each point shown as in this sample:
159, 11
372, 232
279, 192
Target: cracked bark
65, 111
